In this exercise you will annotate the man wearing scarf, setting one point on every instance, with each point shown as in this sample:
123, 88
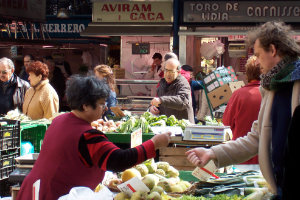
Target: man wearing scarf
12, 88
270, 135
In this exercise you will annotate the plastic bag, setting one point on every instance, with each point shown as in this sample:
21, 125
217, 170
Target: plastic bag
85, 193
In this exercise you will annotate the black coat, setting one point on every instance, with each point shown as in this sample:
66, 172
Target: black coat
176, 99
291, 168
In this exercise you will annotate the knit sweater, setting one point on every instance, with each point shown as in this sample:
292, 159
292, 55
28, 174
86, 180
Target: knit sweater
41, 101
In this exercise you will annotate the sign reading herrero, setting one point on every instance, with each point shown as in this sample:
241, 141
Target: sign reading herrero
240, 11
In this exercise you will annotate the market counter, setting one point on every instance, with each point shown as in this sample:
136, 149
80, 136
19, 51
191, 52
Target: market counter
124, 138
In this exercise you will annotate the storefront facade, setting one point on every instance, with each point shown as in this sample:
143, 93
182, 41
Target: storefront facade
203, 22
137, 23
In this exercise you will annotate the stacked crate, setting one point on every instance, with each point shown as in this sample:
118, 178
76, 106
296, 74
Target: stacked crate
9, 150
220, 84
9, 146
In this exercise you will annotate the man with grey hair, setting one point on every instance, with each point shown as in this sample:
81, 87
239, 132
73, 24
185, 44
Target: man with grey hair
12, 88
173, 94
170, 55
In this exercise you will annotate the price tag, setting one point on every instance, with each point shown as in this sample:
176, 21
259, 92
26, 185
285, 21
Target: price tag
136, 138
205, 172
133, 185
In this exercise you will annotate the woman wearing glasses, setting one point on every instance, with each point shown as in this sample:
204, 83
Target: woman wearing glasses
75, 154
41, 100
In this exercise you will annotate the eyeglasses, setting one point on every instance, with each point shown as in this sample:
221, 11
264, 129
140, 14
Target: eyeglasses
170, 71
103, 106
4, 72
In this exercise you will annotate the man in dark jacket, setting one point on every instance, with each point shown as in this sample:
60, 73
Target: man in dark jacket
174, 94
12, 88
57, 80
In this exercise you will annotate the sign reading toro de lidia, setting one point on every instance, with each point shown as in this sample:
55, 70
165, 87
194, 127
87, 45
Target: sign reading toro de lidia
133, 11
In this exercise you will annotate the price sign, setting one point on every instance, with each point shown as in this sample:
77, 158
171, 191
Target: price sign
140, 48
136, 138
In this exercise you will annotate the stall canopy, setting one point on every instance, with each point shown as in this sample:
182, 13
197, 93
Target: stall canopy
100, 29
223, 31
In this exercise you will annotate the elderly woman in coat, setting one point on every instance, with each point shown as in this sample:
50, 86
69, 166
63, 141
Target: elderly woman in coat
41, 100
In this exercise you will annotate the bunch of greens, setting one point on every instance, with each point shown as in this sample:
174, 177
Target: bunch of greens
146, 120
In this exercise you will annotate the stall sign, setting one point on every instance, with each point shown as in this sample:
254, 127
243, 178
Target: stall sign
56, 28
133, 11
34, 10
65, 28
240, 11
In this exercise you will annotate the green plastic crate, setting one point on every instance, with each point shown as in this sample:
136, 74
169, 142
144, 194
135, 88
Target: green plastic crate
33, 133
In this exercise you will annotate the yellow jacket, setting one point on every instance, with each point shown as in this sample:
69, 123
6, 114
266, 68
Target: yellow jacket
258, 139
41, 101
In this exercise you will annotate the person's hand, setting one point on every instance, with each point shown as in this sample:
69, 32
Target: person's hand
161, 140
200, 156
154, 110
155, 102
153, 66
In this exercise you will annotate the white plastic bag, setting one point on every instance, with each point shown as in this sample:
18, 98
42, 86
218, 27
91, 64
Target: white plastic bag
85, 193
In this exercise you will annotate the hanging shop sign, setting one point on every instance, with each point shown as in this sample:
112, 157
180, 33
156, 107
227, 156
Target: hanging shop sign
240, 11
33, 10
53, 28
133, 11
66, 28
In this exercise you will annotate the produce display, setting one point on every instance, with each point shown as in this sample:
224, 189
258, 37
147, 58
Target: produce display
106, 126
159, 177
249, 184
130, 123
164, 184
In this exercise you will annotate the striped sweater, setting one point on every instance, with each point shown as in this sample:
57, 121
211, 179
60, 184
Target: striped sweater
96, 150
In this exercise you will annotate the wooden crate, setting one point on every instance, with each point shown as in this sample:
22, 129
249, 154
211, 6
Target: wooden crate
14, 192
176, 157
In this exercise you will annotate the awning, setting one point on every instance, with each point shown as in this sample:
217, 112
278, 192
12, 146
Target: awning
101, 29
221, 31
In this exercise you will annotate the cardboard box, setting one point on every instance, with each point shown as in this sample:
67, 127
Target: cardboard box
119, 73
222, 94
219, 78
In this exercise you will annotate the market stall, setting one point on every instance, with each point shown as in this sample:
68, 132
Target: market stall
172, 177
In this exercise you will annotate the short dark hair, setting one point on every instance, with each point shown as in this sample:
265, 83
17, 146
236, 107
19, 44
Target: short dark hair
187, 68
157, 55
85, 90
38, 68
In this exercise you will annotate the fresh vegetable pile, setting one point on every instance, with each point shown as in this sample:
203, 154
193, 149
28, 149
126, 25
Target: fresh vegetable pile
250, 184
147, 120
159, 177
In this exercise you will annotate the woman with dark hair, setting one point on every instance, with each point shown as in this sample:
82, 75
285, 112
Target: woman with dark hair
104, 72
75, 154
41, 100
